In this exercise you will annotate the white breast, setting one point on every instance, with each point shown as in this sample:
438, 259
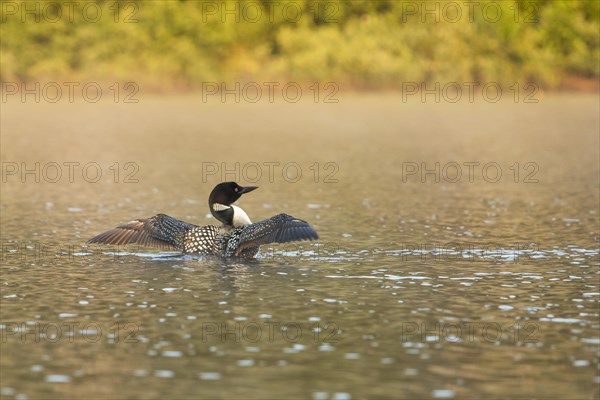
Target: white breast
240, 218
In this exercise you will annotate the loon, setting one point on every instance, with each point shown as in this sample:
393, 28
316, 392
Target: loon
237, 237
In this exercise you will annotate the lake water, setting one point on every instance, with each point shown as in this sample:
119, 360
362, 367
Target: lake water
459, 250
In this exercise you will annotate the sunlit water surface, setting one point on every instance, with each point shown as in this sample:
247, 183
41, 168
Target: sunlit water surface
415, 290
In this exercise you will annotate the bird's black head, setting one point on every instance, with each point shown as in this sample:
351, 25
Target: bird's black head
222, 196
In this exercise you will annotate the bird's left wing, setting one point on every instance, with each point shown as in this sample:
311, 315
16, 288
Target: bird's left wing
281, 228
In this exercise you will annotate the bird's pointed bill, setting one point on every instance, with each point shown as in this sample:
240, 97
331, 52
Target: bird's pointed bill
246, 189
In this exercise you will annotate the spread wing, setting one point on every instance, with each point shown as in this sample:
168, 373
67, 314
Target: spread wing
159, 231
281, 228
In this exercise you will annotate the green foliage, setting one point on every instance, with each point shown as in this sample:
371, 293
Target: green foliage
363, 44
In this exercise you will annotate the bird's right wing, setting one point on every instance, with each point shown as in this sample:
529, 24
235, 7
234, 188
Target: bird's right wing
281, 228
159, 231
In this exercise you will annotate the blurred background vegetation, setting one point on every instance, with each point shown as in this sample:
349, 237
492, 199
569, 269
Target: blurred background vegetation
179, 44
